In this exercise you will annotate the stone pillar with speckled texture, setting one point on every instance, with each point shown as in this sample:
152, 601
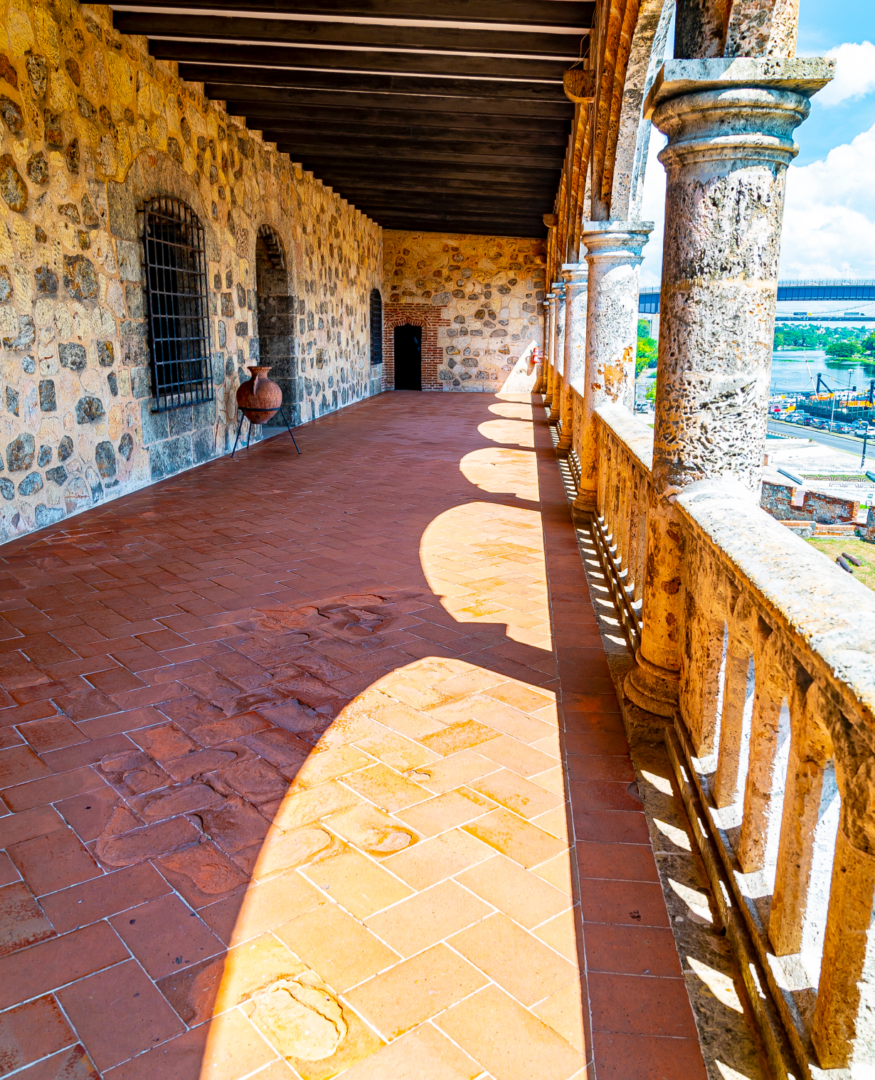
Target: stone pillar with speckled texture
614, 258
549, 347
730, 125
558, 350
575, 276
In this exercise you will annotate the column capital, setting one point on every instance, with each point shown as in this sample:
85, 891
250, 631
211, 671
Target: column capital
575, 275
615, 238
733, 110
558, 289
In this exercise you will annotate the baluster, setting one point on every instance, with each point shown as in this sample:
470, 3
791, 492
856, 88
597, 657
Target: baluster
810, 753
770, 729
644, 484
843, 1015
621, 533
611, 485
738, 690
604, 469
634, 529
701, 661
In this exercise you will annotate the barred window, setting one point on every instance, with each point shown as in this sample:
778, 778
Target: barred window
376, 327
176, 288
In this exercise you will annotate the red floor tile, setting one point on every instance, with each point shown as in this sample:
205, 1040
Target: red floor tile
178, 659
118, 1013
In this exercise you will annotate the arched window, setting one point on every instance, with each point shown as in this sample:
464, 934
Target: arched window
176, 291
376, 327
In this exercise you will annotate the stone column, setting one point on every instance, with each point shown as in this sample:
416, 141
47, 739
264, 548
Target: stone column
558, 349
730, 126
549, 342
574, 362
613, 254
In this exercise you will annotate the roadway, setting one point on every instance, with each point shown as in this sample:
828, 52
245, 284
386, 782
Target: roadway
849, 443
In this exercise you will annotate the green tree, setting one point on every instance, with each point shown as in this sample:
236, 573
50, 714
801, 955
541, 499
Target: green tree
647, 348
869, 344
843, 349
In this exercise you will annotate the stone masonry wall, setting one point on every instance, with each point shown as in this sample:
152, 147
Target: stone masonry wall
487, 290
91, 128
777, 500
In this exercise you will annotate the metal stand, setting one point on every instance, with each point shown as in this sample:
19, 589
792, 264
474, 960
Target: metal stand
282, 412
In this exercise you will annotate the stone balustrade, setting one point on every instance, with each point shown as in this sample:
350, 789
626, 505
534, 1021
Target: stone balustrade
773, 740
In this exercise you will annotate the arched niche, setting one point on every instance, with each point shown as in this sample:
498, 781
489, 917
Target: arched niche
275, 305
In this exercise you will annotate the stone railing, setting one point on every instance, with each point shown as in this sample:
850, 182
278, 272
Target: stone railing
773, 746
625, 453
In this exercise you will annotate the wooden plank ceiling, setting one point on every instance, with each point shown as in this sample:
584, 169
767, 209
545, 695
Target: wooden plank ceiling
442, 115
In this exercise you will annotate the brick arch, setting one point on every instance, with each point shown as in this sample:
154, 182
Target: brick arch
429, 318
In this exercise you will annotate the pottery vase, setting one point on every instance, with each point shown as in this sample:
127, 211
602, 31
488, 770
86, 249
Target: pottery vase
259, 398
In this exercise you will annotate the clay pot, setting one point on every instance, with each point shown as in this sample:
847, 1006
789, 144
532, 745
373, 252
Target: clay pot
259, 397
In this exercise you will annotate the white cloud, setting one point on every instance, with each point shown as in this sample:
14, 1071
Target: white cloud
829, 218
855, 73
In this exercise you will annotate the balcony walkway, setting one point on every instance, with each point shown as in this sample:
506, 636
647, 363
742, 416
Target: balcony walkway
281, 747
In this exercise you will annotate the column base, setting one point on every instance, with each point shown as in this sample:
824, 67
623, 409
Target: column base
584, 508
563, 447
651, 688
555, 413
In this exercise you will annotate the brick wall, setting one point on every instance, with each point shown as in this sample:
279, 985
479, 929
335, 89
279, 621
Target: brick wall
430, 319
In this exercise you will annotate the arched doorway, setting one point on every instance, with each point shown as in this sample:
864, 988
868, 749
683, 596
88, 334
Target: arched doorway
276, 319
408, 357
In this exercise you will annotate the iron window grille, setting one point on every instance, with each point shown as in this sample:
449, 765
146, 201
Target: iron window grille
376, 327
176, 288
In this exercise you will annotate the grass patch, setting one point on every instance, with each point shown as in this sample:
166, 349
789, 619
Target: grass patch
833, 546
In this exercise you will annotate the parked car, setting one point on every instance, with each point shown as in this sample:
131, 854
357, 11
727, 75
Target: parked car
819, 425
861, 432
842, 429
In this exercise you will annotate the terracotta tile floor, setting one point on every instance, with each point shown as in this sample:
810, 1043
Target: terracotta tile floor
285, 777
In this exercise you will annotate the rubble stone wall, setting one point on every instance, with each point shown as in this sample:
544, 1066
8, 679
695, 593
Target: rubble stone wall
487, 291
91, 128
777, 499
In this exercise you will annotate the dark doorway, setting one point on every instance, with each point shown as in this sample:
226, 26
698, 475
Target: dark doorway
408, 357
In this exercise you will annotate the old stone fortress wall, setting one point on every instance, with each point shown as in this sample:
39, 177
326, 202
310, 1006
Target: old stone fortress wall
490, 291
92, 129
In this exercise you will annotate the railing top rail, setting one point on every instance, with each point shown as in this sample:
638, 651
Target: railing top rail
633, 433
829, 615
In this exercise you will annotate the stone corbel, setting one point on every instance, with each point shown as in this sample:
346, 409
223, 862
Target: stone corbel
579, 85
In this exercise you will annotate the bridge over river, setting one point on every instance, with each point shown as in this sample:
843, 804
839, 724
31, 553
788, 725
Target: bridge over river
839, 289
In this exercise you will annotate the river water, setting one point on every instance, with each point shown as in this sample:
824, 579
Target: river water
795, 371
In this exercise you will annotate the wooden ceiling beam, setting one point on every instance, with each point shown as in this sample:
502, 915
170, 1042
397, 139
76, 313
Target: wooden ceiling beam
240, 95
259, 114
325, 167
456, 65
406, 37
482, 224
387, 136
236, 71
481, 208
354, 185
542, 159
547, 14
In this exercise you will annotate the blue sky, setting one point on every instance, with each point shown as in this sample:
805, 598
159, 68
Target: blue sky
829, 225
824, 25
